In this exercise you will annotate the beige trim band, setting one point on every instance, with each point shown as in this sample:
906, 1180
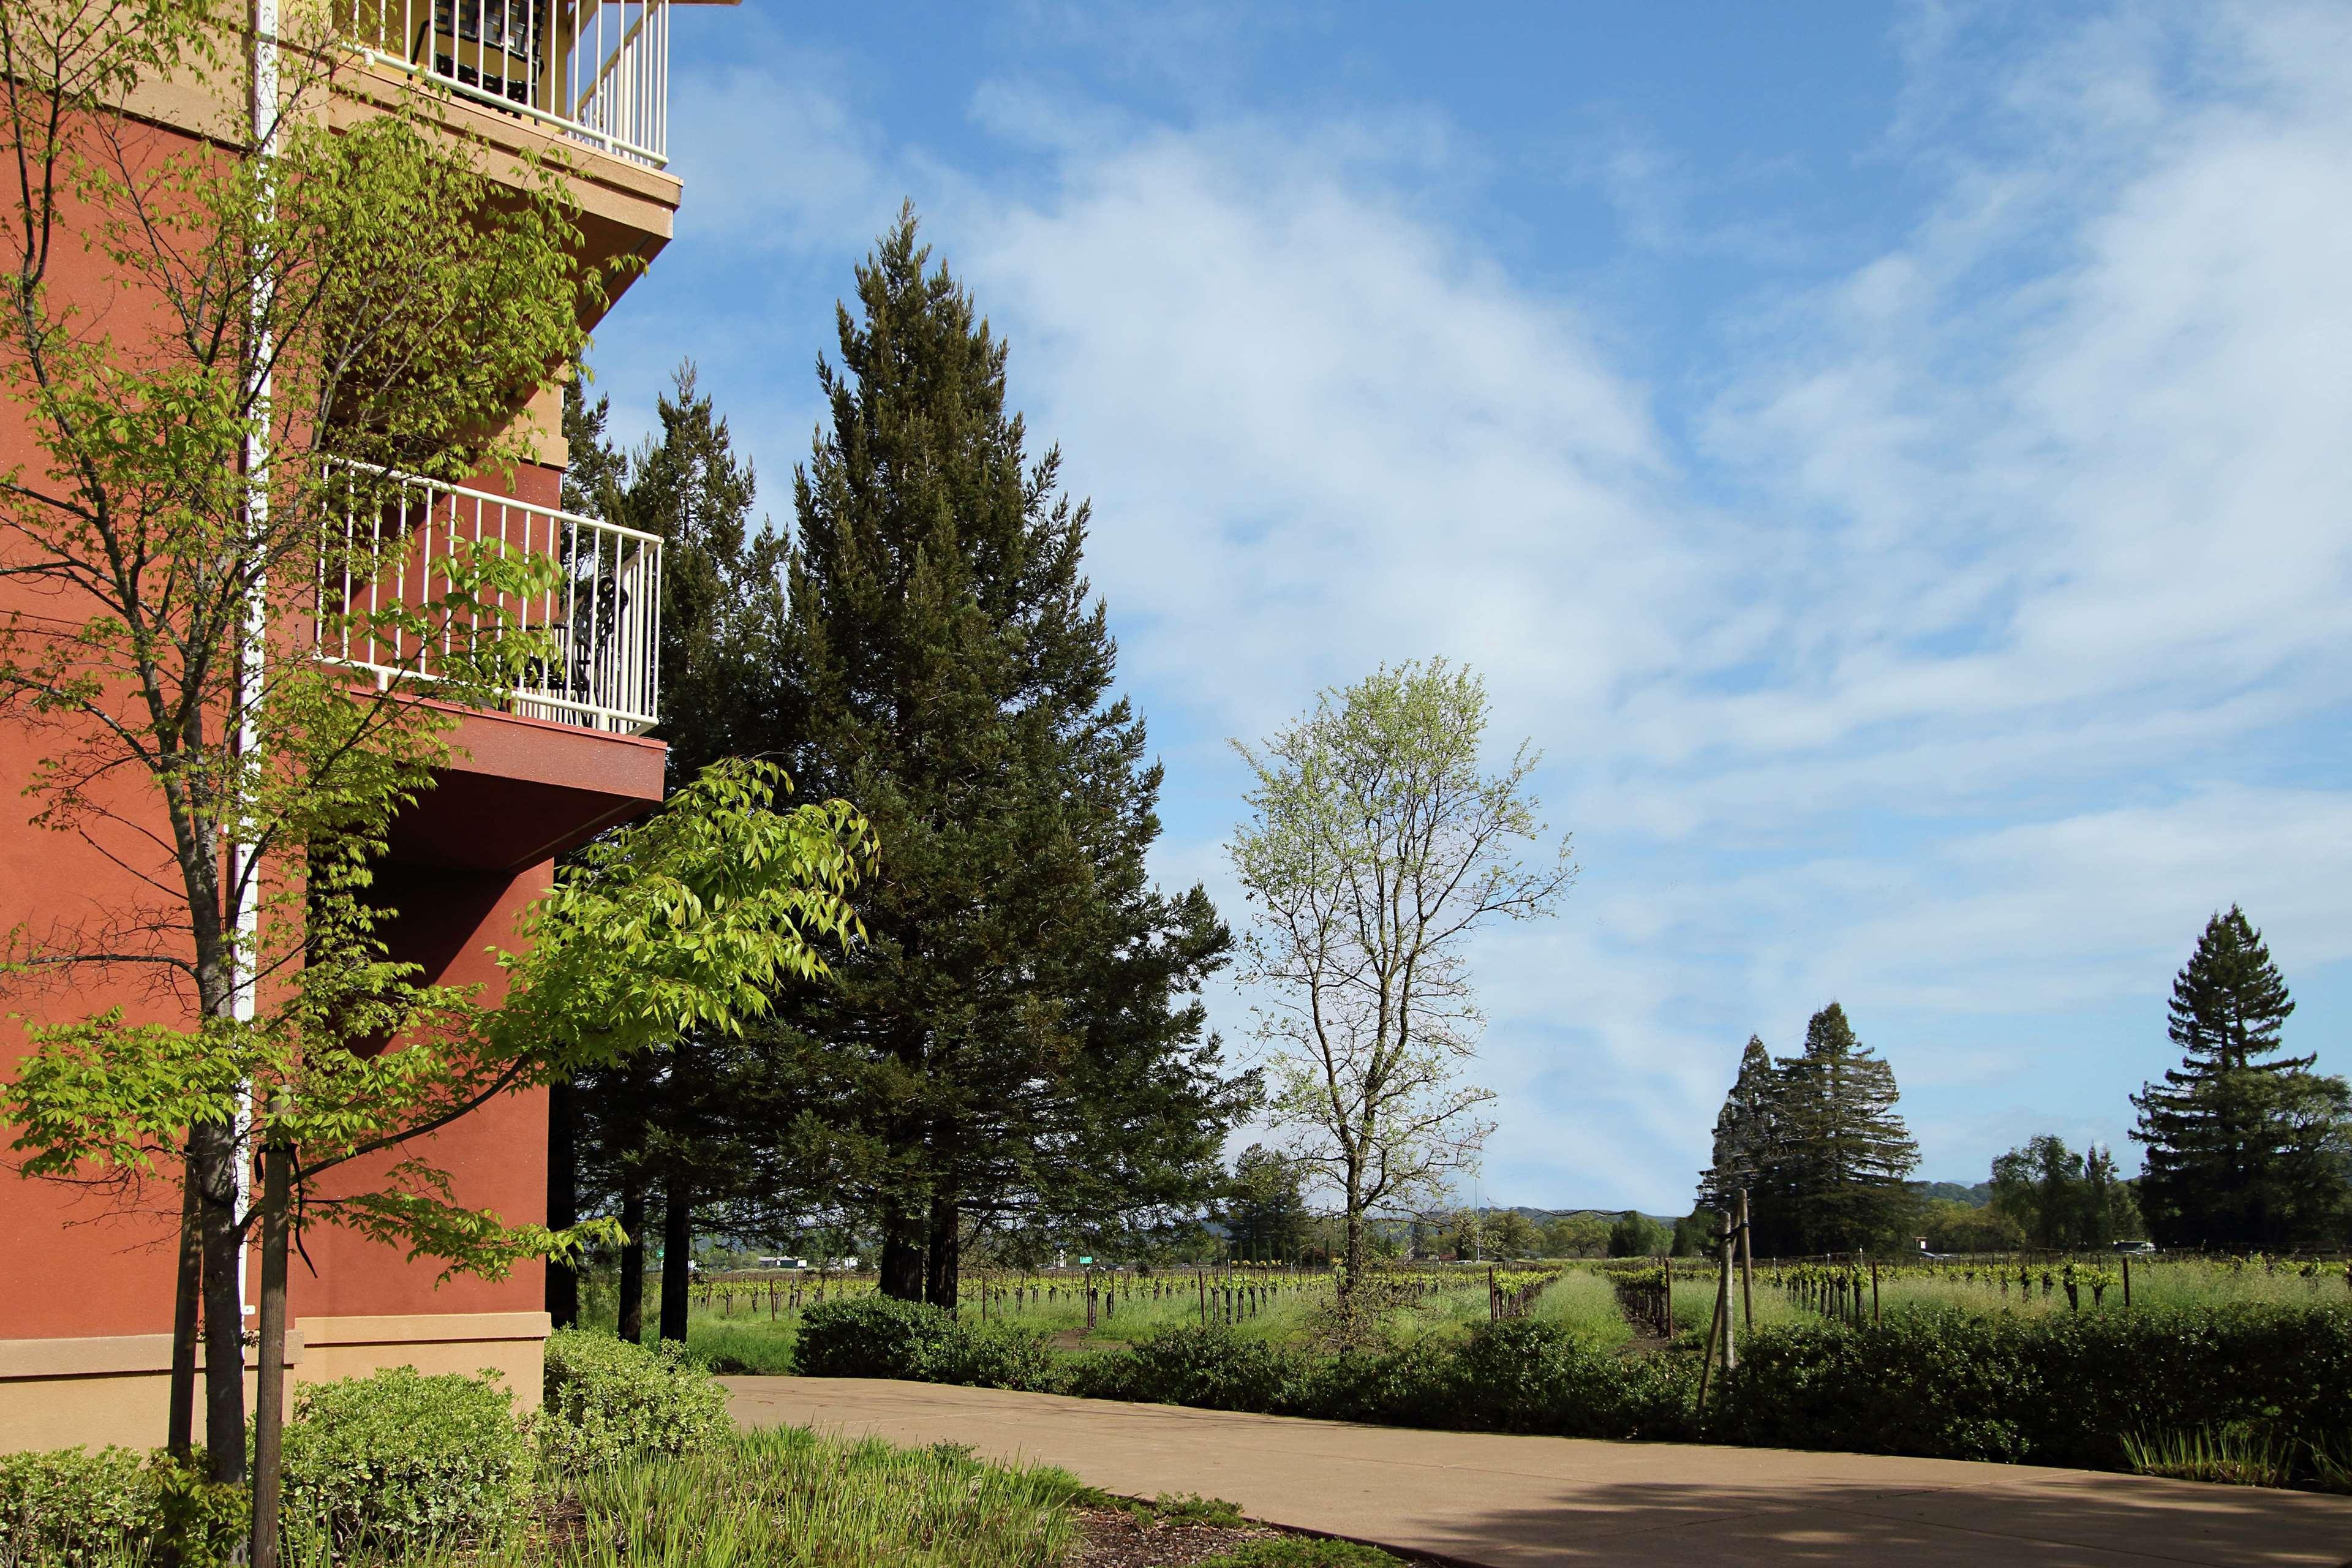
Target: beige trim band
117, 1355
427, 1327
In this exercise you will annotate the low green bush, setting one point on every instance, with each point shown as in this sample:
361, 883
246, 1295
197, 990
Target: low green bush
2057, 1389
608, 1401
877, 1336
1211, 1367
73, 1508
399, 1462
869, 1336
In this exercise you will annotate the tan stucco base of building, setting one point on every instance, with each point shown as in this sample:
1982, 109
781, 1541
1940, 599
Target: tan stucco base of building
66, 1393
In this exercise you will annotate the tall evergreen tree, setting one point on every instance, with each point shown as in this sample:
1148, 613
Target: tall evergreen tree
1746, 1133
1844, 1151
674, 1133
1020, 1041
2245, 1147
1265, 1213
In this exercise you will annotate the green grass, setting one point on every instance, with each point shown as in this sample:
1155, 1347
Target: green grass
783, 1497
2156, 1283
1695, 1306
2230, 1455
1582, 1303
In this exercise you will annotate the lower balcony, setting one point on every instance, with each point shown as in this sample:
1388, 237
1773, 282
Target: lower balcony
601, 619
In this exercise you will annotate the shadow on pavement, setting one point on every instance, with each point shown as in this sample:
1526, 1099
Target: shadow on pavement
2096, 1521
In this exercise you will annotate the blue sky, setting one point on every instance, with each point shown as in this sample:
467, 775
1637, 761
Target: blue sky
1891, 460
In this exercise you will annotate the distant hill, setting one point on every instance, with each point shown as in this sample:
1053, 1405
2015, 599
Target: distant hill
1976, 1196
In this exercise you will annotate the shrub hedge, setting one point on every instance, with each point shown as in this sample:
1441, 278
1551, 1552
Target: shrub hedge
386, 1465
608, 1401
876, 1336
73, 1508
398, 1462
2061, 1389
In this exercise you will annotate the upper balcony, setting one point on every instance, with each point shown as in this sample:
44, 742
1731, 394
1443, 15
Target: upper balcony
595, 71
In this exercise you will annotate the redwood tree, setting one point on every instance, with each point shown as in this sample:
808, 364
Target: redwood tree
1020, 1043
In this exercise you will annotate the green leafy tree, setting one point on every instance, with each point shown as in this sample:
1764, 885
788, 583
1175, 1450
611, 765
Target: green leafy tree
1513, 1235
686, 922
1021, 1042
692, 1128
1266, 1211
1694, 1233
2245, 1147
1377, 846
1636, 1235
1953, 1227
2057, 1198
2038, 1188
358, 300
1840, 1179
2110, 1201
1576, 1235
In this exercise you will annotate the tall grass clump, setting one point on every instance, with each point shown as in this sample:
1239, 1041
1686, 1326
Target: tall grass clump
787, 1497
2234, 1456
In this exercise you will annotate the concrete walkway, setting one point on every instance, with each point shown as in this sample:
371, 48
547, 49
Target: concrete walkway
1506, 1502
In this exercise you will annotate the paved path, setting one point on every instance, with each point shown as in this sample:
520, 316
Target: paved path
1513, 1503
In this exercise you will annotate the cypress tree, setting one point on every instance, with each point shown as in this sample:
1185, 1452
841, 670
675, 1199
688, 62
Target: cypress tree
2245, 1147
1019, 1043
1745, 1135
1844, 1151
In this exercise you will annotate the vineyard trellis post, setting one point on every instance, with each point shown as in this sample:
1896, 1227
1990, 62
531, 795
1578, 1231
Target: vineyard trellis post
2127, 1281
1874, 1317
1747, 1264
1707, 1356
1723, 1296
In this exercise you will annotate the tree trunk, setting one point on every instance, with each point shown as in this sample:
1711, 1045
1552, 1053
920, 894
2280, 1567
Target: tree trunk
270, 1379
562, 1205
943, 1256
678, 1251
180, 1437
632, 1326
214, 1145
901, 1265
1351, 1269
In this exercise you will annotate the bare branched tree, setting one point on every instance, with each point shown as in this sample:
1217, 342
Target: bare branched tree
1376, 848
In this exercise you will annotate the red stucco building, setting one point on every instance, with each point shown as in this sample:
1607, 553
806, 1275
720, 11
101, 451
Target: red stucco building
85, 1287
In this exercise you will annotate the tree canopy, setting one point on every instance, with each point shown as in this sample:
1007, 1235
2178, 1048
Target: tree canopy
1020, 1043
2244, 1146
1377, 845
1816, 1140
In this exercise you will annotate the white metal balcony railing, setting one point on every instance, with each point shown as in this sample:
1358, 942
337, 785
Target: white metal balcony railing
602, 615
595, 70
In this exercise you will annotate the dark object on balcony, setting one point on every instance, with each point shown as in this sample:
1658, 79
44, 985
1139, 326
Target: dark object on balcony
513, 31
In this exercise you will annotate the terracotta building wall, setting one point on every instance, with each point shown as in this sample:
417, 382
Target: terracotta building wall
85, 1277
